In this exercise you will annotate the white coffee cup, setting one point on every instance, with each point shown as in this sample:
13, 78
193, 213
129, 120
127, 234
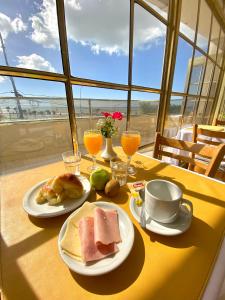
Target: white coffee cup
163, 200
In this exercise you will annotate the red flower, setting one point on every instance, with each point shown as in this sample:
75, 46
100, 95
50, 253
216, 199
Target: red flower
117, 115
106, 114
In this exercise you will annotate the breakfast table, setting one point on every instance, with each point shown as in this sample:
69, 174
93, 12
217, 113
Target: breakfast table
185, 266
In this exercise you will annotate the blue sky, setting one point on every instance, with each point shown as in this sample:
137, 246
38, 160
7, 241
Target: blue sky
98, 46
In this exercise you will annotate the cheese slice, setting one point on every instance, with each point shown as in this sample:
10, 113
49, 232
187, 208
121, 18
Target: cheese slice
70, 242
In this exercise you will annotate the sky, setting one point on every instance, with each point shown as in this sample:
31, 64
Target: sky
98, 35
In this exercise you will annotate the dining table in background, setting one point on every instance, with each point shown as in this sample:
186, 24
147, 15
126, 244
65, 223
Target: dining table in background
186, 266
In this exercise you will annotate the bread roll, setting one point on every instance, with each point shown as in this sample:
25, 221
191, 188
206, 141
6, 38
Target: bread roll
60, 188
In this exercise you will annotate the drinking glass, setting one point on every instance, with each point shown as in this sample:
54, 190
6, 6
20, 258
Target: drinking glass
130, 141
72, 162
93, 142
119, 171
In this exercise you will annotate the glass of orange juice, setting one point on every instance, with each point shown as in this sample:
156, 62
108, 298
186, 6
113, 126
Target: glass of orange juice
130, 141
93, 143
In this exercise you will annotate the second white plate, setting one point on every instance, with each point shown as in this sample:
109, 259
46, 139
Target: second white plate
108, 263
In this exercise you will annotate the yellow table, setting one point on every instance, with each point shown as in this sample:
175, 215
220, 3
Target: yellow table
158, 267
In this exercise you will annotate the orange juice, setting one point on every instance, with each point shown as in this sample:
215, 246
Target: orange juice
93, 142
130, 142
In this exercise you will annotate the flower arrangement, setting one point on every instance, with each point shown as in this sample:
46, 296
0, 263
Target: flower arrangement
107, 125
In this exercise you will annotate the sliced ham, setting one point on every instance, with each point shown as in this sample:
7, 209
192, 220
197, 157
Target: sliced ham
89, 249
106, 226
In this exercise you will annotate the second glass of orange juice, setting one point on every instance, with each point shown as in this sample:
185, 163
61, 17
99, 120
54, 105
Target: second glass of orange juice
130, 141
93, 143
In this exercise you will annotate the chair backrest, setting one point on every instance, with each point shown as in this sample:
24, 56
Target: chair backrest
214, 154
219, 122
206, 136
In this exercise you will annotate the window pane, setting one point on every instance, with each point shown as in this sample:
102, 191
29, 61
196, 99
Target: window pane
148, 49
173, 118
200, 112
221, 49
214, 83
207, 112
197, 73
160, 6
189, 11
182, 69
144, 108
214, 41
91, 102
207, 78
30, 35
98, 36
189, 111
34, 124
204, 26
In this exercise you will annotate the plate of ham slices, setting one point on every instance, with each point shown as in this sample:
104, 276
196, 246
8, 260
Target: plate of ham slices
96, 238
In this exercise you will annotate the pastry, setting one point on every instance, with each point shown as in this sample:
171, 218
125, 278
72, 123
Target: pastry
60, 188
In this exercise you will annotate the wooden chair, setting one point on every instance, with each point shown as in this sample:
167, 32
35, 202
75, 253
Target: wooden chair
210, 137
215, 154
219, 122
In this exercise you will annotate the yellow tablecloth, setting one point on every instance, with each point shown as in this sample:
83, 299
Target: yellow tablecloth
158, 267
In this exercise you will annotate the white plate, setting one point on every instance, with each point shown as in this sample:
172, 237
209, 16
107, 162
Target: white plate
45, 210
180, 225
108, 263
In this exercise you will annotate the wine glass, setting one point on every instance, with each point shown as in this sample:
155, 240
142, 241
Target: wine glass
130, 141
93, 142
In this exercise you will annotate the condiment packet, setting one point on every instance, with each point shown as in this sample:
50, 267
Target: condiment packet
134, 188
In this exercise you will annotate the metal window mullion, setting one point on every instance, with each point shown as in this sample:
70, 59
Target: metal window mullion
206, 64
192, 63
131, 39
144, 5
66, 68
30, 73
174, 14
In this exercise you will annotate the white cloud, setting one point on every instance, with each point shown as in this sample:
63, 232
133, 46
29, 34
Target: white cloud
35, 61
8, 25
2, 79
101, 25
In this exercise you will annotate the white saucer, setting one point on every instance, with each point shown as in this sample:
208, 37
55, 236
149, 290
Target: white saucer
180, 225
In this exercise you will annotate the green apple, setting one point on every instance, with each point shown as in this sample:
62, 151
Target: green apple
99, 178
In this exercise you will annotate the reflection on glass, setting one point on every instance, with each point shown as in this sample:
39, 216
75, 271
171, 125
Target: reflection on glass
148, 50
160, 6
197, 73
204, 26
143, 117
214, 41
207, 78
214, 83
221, 48
34, 123
207, 112
189, 111
189, 10
98, 35
30, 35
201, 109
183, 62
173, 117
89, 104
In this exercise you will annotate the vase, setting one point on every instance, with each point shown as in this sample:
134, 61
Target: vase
108, 153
